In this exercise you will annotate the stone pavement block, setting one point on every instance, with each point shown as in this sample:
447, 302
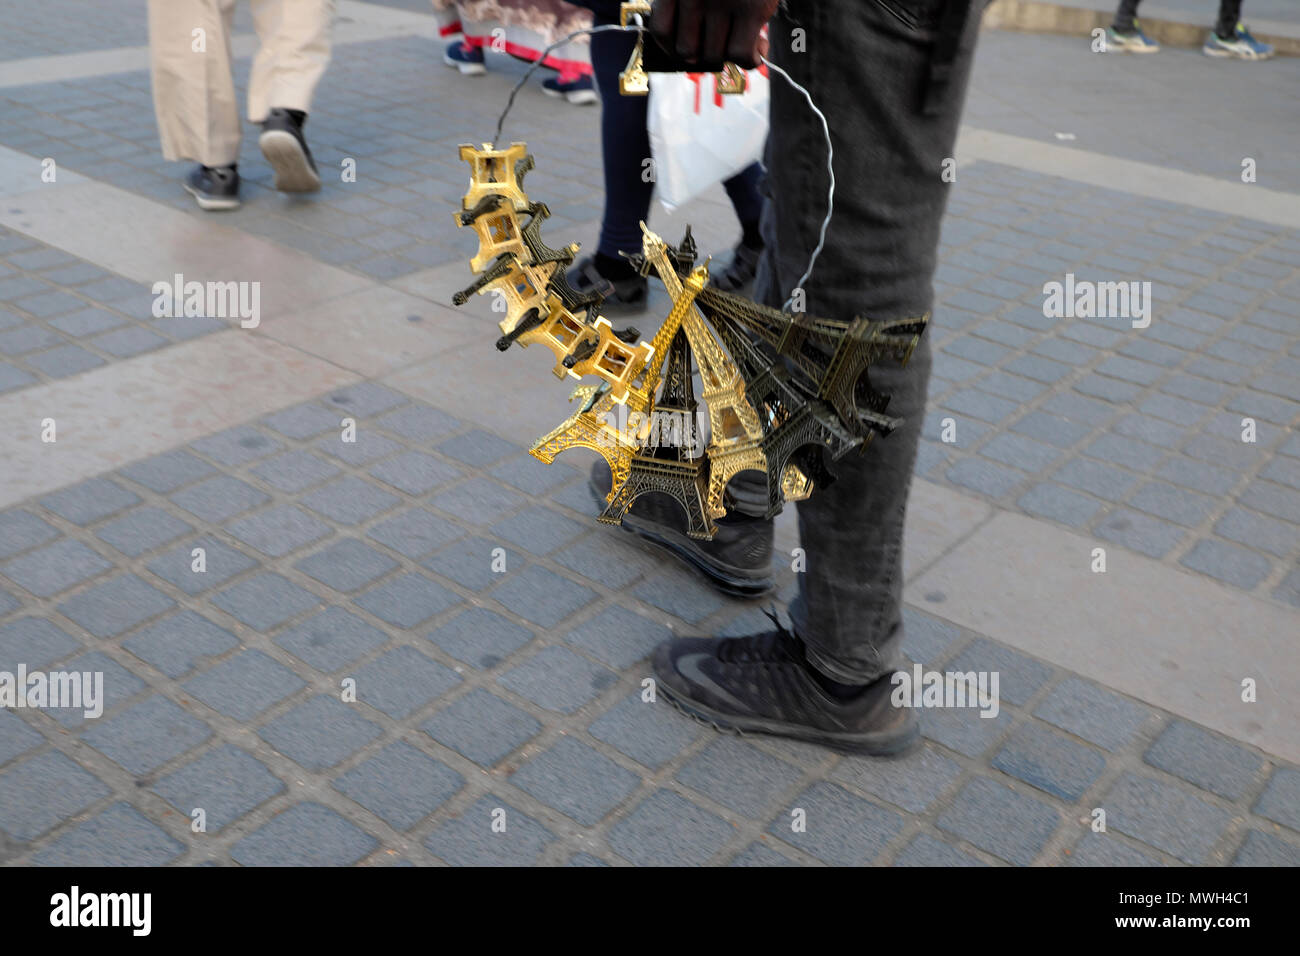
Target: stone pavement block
1013, 387
557, 679
304, 421
1164, 816
1059, 504
1173, 504
236, 446
532, 476
1151, 430
265, 601
415, 473
912, 782
56, 567
16, 738
618, 637
482, 727
471, 840
927, 638
407, 600
541, 596
219, 499
169, 471
39, 792
119, 685
120, 836
1069, 351
1038, 368
477, 448
129, 341
963, 729
981, 405
1228, 563
841, 829
1289, 589
1020, 451
245, 685
295, 470
178, 642
756, 854
1212, 763
1280, 800
985, 477
1109, 389
955, 369
649, 733
1125, 451
366, 399
1093, 713
89, 501
347, 565
1079, 408
368, 446
147, 735
576, 780
221, 563
141, 530
117, 605
1285, 471
997, 819
402, 681
976, 350
1050, 761
480, 502
1051, 429
608, 555
418, 422
320, 733
928, 851
1273, 500
225, 783
1262, 849
20, 530
64, 361
27, 338
349, 500
1098, 849
1257, 532
307, 834
480, 637
88, 321
414, 532
1020, 676
667, 830
331, 639
475, 562
1207, 478
738, 775
1141, 533
585, 859
400, 784
538, 530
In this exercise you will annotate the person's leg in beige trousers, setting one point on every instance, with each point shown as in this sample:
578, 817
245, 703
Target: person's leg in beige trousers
194, 90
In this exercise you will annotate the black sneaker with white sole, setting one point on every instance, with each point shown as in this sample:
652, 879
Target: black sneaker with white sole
622, 296
286, 150
738, 561
213, 187
763, 684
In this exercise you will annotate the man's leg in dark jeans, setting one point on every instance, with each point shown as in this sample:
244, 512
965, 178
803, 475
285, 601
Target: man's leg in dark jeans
1126, 16
1229, 15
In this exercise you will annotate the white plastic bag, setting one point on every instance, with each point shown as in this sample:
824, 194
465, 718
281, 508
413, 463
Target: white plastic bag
699, 137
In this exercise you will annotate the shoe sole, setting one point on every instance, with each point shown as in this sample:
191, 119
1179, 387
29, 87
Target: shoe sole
1220, 54
888, 743
678, 545
293, 170
211, 205
466, 69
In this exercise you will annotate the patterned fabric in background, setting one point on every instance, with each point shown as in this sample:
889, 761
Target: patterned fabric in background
522, 28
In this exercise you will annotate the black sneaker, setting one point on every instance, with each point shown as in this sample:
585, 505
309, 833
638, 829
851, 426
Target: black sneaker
213, 187
738, 561
763, 684
737, 274
621, 295
286, 150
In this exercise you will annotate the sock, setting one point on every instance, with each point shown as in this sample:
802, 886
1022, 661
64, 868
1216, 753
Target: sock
615, 270
751, 236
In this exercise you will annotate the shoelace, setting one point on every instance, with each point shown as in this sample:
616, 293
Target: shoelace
777, 645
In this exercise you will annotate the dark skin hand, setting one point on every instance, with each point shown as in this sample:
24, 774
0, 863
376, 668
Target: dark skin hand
713, 30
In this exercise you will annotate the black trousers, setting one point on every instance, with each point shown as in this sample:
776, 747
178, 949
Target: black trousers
1229, 14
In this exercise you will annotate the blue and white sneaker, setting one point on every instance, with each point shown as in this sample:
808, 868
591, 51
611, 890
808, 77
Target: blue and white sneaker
1242, 45
468, 59
1130, 41
579, 92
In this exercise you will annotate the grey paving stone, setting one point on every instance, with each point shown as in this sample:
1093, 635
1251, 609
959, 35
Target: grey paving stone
37, 793
1273, 500
1257, 532
1051, 429
226, 783
87, 321
347, 565
927, 638
913, 782
1211, 762
237, 446
532, 476
400, 784
414, 532
27, 338
368, 446
649, 733
667, 830
841, 829
480, 637
538, 529
119, 685
1090, 712
1098, 849
609, 556
307, 834
1262, 849
366, 398
407, 600
331, 639
1173, 504
585, 859
1050, 761
265, 601
141, 530
1201, 476
1020, 451
471, 840
576, 780
1125, 451
1228, 563
1289, 589
479, 502
244, 685
1020, 676
90, 500
477, 448
1142, 533
1280, 800
1110, 389
926, 850
619, 637
756, 854
16, 738
1059, 504
120, 836
304, 421
221, 563
418, 422
179, 642
737, 775
64, 361
116, 605
541, 596
963, 729
349, 500
169, 471
415, 473
402, 681
219, 499
985, 477
319, 733
125, 342
557, 679
1012, 826
482, 727
20, 530
1165, 817
1078, 408
54, 568
295, 470
147, 735
981, 405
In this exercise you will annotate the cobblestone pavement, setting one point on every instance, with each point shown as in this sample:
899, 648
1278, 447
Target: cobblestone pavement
495, 635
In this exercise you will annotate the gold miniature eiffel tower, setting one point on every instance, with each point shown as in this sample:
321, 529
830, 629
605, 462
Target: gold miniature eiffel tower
496, 172
589, 427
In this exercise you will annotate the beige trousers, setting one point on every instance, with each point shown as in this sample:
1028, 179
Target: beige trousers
193, 89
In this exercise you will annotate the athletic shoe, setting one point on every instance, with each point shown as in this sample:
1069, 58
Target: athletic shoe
286, 150
579, 92
468, 59
213, 187
736, 274
1240, 45
621, 295
1130, 41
